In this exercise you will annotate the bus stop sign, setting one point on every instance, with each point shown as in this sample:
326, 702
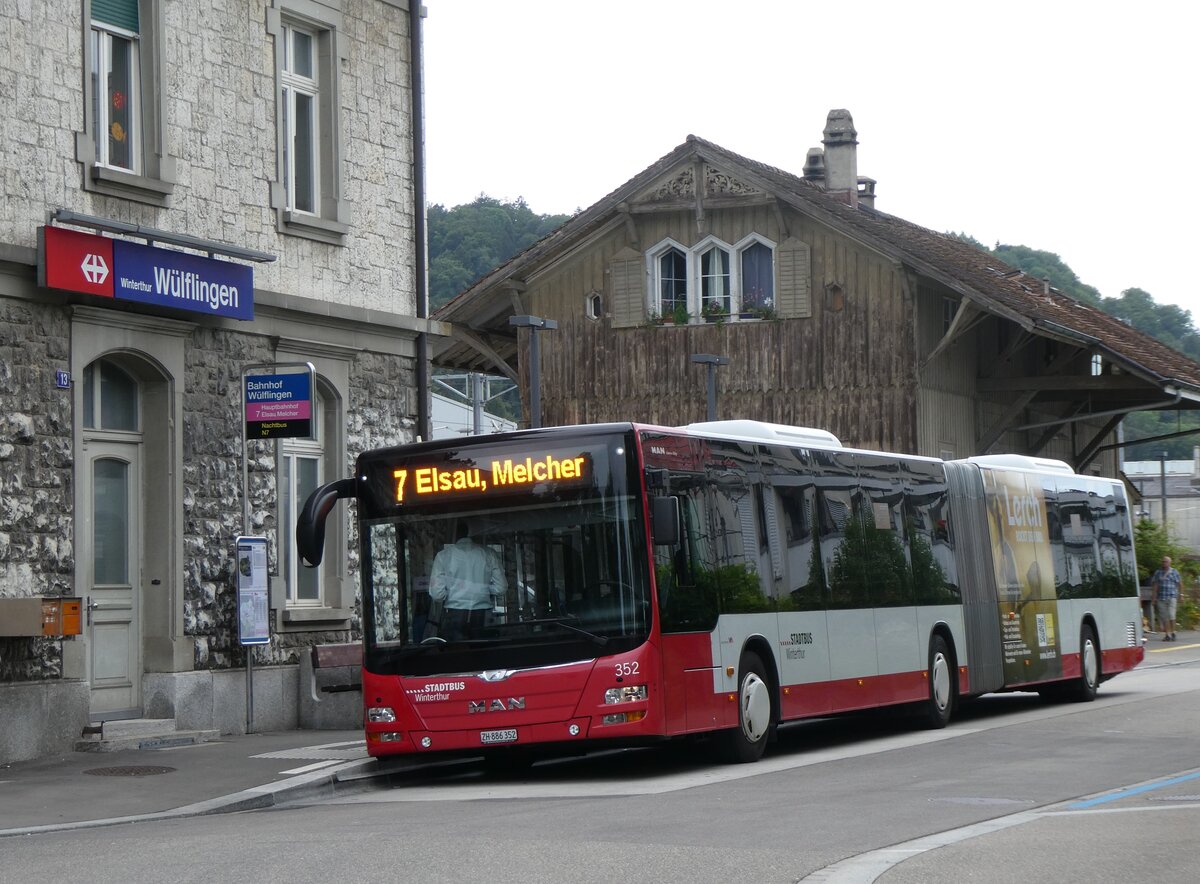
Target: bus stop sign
279, 406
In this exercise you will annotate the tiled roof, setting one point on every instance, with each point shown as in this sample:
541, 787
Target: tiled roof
967, 270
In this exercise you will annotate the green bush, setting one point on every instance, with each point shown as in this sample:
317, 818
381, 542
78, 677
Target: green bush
1187, 614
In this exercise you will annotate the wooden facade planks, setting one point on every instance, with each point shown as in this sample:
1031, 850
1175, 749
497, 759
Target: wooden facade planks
850, 367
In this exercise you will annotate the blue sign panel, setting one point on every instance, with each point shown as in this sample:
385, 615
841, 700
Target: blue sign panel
279, 406
186, 282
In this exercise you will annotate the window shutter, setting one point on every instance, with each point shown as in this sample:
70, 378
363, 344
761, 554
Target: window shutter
118, 13
627, 288
794, 259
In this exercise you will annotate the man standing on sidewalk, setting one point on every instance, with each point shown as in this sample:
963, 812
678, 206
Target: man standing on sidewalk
1166, 582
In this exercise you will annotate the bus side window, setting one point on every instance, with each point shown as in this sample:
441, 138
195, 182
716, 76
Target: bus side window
803, 549
686, 593
930, 542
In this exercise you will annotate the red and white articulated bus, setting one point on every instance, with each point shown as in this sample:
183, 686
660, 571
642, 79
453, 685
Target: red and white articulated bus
637, 583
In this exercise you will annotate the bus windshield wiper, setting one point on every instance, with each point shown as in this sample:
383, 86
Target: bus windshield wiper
561, 621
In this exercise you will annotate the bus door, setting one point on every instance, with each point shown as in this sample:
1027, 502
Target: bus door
900, 651
800, 596
742, 566
842, 521
688, 610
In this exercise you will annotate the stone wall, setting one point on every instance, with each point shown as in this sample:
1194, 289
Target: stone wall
219, 110
378, 413
36, 506
212, 481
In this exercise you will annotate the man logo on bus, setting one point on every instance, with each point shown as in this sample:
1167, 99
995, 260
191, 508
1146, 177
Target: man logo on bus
512, 703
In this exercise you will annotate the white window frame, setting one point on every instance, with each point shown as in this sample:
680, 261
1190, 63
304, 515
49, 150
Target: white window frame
654, 274
696, 268
291, 451
695, 279
294, 85
329, 218
738, 248
151, 179
92, 419
102, 36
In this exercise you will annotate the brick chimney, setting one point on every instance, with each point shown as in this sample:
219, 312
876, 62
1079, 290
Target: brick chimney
841, 156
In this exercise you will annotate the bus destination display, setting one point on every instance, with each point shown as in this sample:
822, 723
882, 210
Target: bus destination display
426, 483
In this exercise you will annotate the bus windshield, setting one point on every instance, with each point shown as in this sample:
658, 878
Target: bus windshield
492, 555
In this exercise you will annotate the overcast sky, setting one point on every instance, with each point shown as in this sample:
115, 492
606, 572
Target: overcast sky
1065, 126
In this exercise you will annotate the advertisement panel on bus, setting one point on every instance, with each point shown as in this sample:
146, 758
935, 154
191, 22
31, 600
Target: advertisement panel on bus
1021, 556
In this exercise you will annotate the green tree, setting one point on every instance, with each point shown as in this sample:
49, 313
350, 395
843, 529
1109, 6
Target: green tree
1166, 322
1153, 540
1170, 324
467, 241
1047, 265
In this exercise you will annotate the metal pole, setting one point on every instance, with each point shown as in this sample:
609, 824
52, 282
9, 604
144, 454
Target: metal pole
711, 362
535, 379
476, 402
712, 392
249, 689
1162, 487
420, 237
534, 323
246, 443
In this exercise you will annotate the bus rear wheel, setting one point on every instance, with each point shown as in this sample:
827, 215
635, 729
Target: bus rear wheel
748, 741
940, 704
1083, 689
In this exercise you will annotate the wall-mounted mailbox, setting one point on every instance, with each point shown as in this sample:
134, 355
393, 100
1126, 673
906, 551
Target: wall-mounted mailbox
41, 616
62, 616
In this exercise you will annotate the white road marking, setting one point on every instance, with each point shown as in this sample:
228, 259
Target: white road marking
346, 751
867, 867
316, 765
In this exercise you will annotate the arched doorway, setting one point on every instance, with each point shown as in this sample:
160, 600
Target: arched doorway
111, 535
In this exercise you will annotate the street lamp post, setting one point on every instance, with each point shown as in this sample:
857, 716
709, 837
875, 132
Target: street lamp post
711, 362
534, 323
1162, 487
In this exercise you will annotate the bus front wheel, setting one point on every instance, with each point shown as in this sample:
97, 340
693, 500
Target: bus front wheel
748, 741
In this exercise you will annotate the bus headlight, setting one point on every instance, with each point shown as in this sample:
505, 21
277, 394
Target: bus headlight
627, 694
381, 714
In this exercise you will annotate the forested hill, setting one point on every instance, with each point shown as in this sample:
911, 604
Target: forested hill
1170, 324
467, 241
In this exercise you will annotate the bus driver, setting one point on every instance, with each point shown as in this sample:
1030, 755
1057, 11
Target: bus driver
468, 579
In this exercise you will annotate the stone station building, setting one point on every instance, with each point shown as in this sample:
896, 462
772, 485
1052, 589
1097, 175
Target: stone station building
266, 142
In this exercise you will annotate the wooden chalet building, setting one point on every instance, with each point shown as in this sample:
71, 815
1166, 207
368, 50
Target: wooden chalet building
831, 313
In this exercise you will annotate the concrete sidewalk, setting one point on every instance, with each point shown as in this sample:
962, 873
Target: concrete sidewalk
236, 772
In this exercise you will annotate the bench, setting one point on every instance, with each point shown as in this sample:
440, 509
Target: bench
330, 656
329, 676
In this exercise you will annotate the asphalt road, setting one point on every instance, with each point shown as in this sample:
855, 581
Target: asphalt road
1013, 790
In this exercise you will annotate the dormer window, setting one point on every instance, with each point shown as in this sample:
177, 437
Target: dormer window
672, 281
758, 277
713, 278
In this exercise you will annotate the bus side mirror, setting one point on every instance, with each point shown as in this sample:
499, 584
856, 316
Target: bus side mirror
310, 527
665, 521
